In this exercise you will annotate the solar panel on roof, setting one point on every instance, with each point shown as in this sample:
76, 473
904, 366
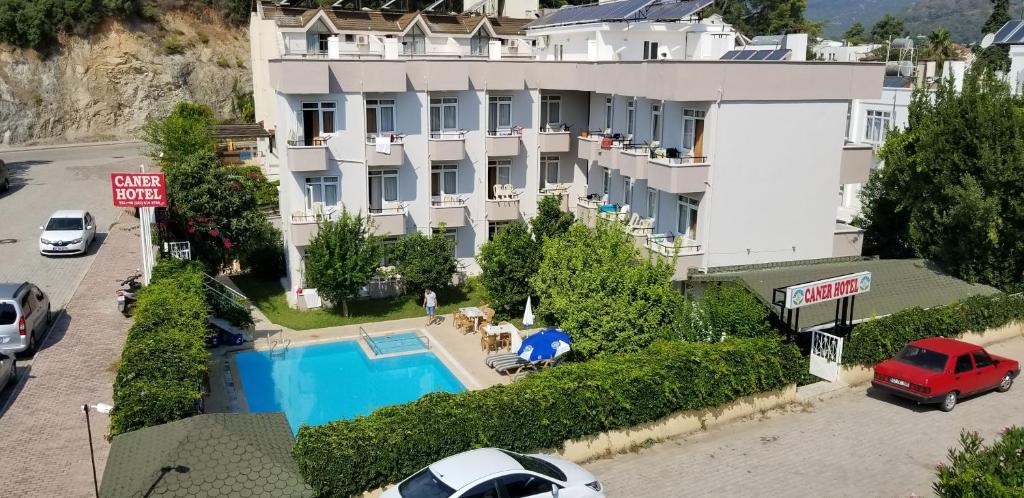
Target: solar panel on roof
675, 9
760, 55
728, 56
617, 10
1008, 29
777, 55
743, 55
1017, 37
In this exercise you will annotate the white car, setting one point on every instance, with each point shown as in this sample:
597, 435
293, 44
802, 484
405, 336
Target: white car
67, 232
496, 473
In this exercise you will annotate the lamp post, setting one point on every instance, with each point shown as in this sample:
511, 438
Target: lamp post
105, 409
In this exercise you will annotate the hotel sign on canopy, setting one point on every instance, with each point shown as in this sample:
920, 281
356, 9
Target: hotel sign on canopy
821, 291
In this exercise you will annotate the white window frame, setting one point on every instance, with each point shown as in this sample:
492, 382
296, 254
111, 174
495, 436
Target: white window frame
559, 51
690, 117
547, 103
627, 190
657, 124
877, 125
493, 227
652, 203
609, 113
379, 107
631, 117
650, 50
452, 234
500, 165
324, 109
495, 103
547, 165
606, 180
688, 214
321, 184
384, 175
441, 104
442, 171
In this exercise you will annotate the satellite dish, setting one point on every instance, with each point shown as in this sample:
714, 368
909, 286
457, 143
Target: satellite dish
987, 40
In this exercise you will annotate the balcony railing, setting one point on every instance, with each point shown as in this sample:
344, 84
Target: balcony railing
449, 210
555, 138
672, 244
504, 204
385, 150
447, 145
389, 219
504, 142
302, 157
305, 225
678, 175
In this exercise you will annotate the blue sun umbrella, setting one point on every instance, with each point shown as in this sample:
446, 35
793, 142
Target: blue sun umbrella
544, 345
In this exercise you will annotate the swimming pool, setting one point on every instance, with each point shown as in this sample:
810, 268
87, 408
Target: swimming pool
325, 382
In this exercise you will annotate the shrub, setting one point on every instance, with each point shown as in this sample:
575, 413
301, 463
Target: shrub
508, 262
540, 411
342, 258
164, 361
879, 339
172, 45
724, 311
425, 261
550, 221
994, 471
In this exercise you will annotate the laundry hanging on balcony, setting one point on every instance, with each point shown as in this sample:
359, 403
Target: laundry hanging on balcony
382, 144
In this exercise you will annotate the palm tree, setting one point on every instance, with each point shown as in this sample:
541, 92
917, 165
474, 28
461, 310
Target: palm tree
940, 47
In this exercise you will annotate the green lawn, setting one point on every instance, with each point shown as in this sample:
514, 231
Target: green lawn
269, 297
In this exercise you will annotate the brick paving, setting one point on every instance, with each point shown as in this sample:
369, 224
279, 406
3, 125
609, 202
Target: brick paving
46, 451
859, 444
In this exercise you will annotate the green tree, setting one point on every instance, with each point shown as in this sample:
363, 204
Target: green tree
1000, 16
974, 469
425, 261
550, 220
342, 258
766, 17
182, 133
952, 189
995, 57
940, 47
888, 28
855, 35
724, 311
593, 283
508, 262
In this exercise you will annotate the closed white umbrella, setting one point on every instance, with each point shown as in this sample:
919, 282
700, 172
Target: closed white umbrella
528, 314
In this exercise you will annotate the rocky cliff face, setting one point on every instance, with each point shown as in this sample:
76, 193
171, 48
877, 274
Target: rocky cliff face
108, 85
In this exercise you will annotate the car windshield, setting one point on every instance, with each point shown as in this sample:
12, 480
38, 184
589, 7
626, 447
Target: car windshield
64, 224
7, 313
424, 484
922, 358
537, 465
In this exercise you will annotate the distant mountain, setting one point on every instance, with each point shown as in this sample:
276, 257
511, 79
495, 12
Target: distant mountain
962, 18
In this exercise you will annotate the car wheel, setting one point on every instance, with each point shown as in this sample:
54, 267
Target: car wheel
31, 349
1006, 383
948, 402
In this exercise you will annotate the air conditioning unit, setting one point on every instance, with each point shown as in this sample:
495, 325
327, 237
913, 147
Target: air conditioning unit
362, 40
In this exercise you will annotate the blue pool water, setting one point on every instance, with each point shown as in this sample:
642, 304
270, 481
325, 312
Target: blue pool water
321, 383
397, 343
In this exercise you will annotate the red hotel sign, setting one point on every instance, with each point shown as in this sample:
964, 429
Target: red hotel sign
139, 189
828, 290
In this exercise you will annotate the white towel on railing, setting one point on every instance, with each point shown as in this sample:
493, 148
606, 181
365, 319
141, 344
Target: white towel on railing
382, 144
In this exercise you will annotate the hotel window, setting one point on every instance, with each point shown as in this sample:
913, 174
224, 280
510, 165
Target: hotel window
608, 113
387, 246
606, 178
693, 131
380, 116
479, 43
627, 190
630, 117
444, 115
877, 126
650, 50
687, 223
350, 38
499, 172
443, 179
316, 38
493, 227
451, 234
550, 110
548, 171
414, 42
317, 121
499, 112
559, 51
383, 186
652, 203
656, 123
321, 193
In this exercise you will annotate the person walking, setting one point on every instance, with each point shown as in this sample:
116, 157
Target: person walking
430, 303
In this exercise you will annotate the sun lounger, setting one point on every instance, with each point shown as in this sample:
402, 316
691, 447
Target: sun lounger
490, 359
509, 365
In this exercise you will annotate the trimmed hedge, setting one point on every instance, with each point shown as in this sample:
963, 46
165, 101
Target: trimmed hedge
164, 361
541, 411
995, 471
876, 340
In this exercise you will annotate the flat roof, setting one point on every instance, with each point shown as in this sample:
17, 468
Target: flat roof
896, 284
239, 130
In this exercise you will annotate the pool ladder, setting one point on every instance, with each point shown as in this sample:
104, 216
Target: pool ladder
278, 345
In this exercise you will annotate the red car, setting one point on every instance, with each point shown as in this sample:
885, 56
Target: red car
939, 370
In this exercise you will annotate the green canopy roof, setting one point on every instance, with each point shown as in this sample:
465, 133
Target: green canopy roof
217, 454
896, 284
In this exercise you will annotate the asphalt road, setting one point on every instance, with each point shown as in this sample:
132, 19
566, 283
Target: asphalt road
44, 180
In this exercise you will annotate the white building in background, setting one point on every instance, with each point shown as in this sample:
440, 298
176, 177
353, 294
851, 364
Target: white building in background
700, 141
841, 51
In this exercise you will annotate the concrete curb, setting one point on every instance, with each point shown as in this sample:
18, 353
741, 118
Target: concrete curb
31, 148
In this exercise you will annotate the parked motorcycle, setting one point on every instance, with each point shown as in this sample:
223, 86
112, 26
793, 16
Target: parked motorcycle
126, 297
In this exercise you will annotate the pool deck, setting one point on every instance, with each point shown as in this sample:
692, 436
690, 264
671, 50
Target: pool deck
460, 353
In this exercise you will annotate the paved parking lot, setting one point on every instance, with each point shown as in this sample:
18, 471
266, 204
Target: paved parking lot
860, 444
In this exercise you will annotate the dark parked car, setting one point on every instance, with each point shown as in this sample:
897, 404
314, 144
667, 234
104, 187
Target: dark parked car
940, 370
5, 177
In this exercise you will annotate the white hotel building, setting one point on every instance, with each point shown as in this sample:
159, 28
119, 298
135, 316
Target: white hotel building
731, 151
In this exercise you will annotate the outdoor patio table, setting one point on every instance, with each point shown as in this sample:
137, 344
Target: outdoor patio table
475, 313
502, 329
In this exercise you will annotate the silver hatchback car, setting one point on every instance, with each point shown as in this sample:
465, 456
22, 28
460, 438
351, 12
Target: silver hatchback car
24, 317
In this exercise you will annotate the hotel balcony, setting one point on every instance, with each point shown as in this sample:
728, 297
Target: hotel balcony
560, 191
588, 147
856, 163
586, 210
690, 253
394, 157
503, 143
302, 158
449, 210
608, 157
503, 208
632, 161
447, 146
678, 175
303, 228
389, 220
552, 141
